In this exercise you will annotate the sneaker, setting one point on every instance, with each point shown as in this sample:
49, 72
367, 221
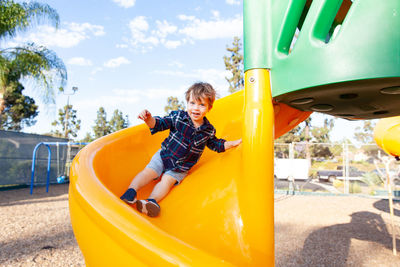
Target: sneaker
148, 207
129, 196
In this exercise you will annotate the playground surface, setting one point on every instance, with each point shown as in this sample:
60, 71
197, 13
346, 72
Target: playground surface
309, 230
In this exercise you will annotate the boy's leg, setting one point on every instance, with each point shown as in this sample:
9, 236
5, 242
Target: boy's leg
143, 178
140, 180
162, 187
150, 205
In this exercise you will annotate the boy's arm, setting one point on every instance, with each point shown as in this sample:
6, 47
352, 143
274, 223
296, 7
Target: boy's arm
230, 144
145, 115
215, 144
221, 145
156, 123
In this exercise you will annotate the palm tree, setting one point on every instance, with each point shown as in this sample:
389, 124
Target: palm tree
29, 60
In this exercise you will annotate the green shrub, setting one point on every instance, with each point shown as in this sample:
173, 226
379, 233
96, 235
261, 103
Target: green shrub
355, 188
372, 179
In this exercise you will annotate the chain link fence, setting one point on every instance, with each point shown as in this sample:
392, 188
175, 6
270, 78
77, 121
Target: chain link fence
16, 151
306, 167
338, 168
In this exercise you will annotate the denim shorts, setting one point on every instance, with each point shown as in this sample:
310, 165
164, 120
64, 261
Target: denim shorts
157, 165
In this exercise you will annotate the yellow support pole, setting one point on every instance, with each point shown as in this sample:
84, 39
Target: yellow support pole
256, 185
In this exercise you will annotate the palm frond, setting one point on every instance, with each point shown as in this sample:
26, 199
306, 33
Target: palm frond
16, 17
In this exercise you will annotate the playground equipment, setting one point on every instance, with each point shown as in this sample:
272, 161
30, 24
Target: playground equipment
353, 75
68, 161
223, 213
203, 220
387, 136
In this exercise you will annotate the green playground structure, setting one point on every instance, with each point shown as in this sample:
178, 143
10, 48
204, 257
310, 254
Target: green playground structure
352, 73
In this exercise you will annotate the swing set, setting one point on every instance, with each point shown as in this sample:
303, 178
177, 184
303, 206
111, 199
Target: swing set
62, 176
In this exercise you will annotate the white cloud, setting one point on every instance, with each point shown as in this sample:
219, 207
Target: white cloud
172, 44
125, 3
176, 64
164, 28
96, 70
116, 62
138, 24
213, 29
233, 2
198, 74
69, 35
171, 36
96, 30
215, 14
215, 77
185, 17
121, 46
161, 93
80, 61
109, 102
139, 27
127, 99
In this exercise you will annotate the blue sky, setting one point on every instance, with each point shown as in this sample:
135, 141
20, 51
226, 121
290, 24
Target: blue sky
133, 54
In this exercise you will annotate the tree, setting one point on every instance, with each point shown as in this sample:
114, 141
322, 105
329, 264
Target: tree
87, 139
306, 132
118, 122
365, 134
67, 126
321, 135
30, 60
173, 104
234, 64
19, 17
19, 110
101, 127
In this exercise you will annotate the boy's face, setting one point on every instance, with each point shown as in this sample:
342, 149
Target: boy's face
197, 109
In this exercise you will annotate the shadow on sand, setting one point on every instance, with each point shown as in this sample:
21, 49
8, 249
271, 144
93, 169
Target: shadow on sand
336, 240
383, 205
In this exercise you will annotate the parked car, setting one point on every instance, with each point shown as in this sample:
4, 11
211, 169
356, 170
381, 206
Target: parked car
296, 169
330, 175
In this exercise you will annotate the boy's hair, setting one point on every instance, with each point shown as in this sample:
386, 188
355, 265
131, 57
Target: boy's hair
201, 90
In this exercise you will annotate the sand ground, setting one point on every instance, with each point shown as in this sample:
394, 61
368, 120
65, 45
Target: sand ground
309, 230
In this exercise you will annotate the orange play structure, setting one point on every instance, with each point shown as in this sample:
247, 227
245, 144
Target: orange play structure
213, 217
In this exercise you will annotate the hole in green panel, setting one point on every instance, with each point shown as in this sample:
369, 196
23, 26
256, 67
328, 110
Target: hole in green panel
330, 27
294, 18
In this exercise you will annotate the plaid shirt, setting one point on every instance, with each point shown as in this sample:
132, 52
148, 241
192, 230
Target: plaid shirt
185, 144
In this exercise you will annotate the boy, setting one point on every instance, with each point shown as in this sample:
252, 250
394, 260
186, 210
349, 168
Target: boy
190, 132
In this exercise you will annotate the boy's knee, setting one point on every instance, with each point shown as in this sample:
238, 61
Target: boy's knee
150, 172
168, 179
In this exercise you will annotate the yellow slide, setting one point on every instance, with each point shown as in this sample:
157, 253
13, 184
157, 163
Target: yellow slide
219, 215
387, 135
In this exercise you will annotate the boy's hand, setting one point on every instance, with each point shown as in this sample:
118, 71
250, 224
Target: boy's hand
145, 115
230, 144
